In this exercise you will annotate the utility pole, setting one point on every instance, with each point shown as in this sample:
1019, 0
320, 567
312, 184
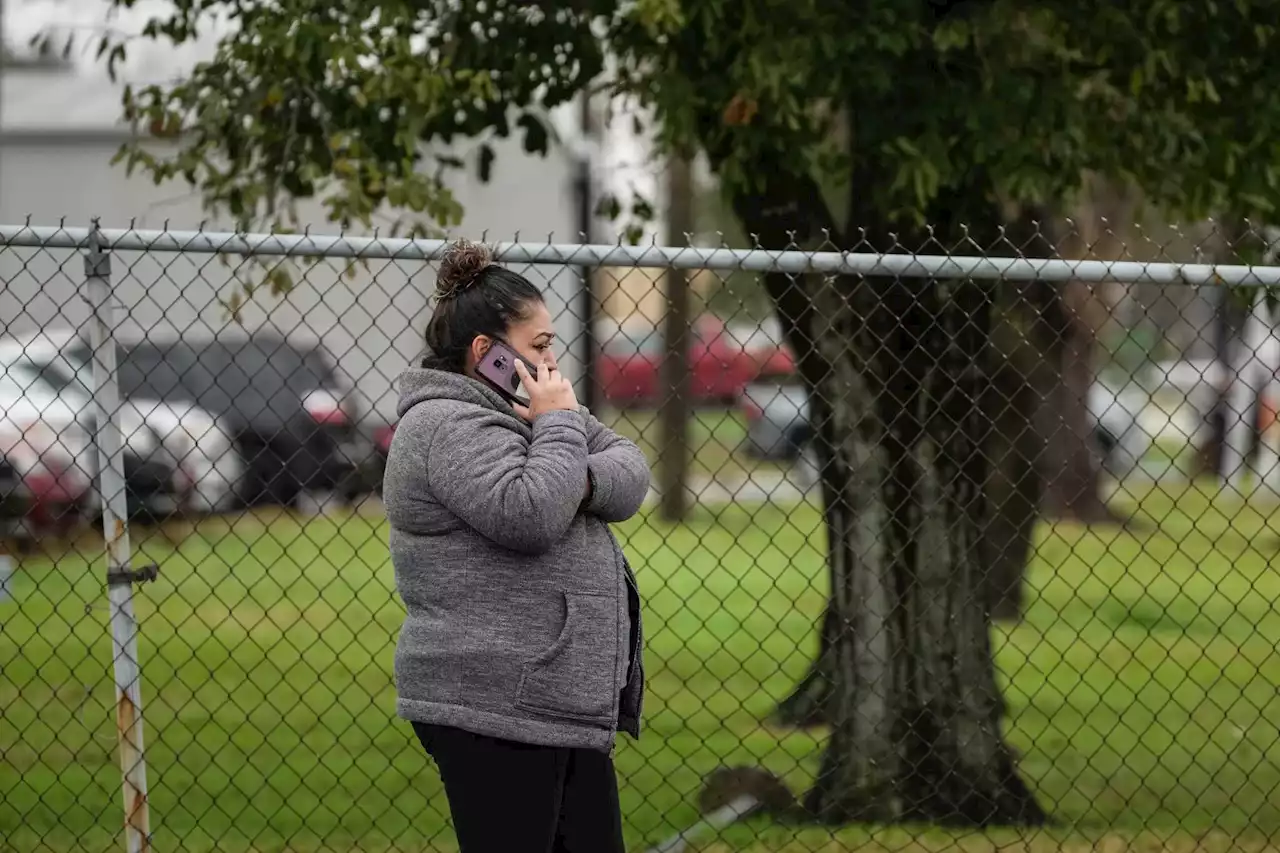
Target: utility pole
586, 214
673, 415
4, 71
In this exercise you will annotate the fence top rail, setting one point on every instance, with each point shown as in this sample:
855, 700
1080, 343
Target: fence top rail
792, 261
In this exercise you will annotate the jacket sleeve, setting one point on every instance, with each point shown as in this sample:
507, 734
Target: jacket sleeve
619, 472
522, 494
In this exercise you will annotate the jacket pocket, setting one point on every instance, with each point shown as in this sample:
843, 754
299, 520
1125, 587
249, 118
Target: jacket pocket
575, 679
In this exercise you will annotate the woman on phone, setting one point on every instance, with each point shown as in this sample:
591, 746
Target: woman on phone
519, 658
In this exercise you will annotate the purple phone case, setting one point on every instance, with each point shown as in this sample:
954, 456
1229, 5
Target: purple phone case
498, 368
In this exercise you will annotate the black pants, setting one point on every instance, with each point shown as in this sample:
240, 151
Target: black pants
509, 797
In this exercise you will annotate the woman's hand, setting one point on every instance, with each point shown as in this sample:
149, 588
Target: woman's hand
548, 392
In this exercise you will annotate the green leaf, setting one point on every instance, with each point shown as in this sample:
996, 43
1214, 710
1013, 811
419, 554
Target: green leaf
993, 100
280, 280
608, 206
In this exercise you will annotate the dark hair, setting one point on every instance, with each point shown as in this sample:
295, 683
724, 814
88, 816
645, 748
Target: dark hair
474, 296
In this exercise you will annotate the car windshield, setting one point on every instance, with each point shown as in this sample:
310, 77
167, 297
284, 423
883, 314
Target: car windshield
83, 376
274, 364
22, 381
70, 376
162, 372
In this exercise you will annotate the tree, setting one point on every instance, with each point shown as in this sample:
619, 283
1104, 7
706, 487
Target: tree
1072, 469
890, 125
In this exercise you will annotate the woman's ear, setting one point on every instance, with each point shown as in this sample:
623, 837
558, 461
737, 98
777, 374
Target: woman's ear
479, 346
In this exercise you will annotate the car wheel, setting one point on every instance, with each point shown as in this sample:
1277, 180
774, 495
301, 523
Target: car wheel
250, 489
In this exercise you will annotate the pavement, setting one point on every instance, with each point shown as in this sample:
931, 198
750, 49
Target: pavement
758, 487
800, 483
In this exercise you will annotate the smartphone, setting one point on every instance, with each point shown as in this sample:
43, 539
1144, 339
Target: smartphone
498, 368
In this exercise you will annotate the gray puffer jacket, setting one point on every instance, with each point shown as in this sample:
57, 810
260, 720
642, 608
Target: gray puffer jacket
523, 616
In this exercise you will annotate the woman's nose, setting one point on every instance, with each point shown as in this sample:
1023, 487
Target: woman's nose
549, 359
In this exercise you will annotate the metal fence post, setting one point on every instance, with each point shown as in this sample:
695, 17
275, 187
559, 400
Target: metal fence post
120, 577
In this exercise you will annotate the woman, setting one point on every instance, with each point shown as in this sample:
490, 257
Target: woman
519, 658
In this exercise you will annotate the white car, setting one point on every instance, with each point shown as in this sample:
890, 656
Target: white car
1124, 424
47, 447
152, 474
200, 445
777, 416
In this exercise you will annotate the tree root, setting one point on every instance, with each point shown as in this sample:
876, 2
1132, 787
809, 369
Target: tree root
809, 705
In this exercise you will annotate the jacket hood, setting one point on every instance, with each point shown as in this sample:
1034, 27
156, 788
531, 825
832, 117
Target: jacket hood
419, 384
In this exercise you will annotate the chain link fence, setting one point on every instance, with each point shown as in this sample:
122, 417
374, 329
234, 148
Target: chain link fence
948, 547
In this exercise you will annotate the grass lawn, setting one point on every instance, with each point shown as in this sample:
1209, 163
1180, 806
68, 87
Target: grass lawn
717, 439
1144, 687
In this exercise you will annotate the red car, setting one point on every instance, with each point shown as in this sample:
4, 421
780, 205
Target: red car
722, 361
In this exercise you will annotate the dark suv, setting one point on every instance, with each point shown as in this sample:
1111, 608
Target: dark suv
295, 419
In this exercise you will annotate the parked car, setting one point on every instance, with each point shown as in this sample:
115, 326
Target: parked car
45, 446
1120, 436
13, 495
1190, 390
777, 417
52, 492
63, 421
778, 425
382, 436
292, 418
207, 463
15, 498
722, 361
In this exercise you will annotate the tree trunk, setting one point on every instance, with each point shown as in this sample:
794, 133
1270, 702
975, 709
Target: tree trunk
1073, 472
1020, 379
1228, 324
1208, 458
904, 675
915, 710
674, 402
1026, 340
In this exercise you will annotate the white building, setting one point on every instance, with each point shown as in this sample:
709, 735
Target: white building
59, 129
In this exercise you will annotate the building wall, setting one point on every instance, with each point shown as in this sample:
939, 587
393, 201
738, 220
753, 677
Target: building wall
371, 323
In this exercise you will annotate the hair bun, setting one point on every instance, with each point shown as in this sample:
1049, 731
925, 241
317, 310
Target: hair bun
461, 266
